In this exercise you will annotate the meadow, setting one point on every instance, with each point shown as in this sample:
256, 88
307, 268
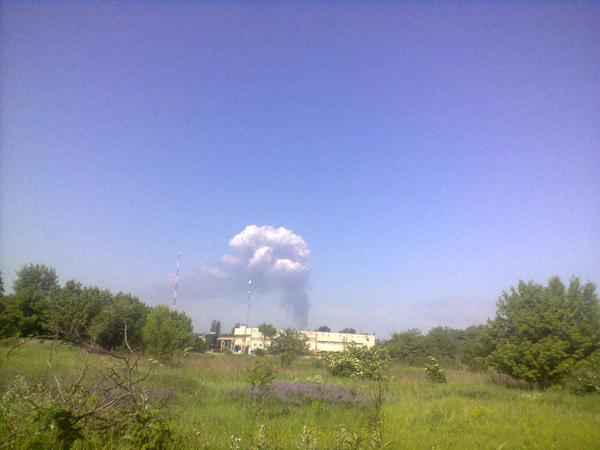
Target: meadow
207, 401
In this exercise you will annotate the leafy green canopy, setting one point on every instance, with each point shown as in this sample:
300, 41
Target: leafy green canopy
267, 330
166, 331
541, 332
288, 345
81, 314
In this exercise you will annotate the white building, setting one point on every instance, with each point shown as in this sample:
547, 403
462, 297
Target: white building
318, 341
322, 341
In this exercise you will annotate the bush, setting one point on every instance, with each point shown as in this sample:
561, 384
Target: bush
287, 358
585, 378
359, 362
542, 332
434, 371
39, 416
260, 377
167, 331
288, 345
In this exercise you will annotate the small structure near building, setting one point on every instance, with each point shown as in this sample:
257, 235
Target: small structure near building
249, 339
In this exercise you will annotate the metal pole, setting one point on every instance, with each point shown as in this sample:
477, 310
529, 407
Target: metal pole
248, 319
176, 278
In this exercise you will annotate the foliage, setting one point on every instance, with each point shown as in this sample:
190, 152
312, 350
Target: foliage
147, 427
541, 332
200, 345
370, 364
344, 439
91, 408
260, 377
120, 322
212, 341
288, 345
348, 330
307, 441
73, 309
166, 331
585, 377
451, 347
260, 439
12, 319
267, 330
79, 314
324, 329
34, 287
35, 278
478, 344
407, 346
206, 407
434, 371
359, 362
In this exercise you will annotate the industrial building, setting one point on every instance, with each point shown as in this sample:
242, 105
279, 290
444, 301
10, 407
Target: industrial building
249, 339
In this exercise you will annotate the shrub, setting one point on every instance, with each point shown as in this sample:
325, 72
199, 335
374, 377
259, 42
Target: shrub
541, 332
260, 377
167, 331
307, 441
288, 345
434, 371
98, 407
585, 378
359, 362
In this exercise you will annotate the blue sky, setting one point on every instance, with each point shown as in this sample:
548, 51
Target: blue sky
430, 155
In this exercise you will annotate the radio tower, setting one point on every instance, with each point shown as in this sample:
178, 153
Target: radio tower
175, 287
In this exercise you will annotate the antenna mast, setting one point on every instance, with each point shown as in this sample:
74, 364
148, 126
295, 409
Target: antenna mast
175, 287
248, 319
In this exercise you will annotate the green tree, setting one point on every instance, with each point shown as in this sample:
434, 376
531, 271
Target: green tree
212, 338
543, 331
35, 278
11, 317
288, 345
72, 311
348, 330
166, 331
446, 345
34, 288
324, 329
121, 316
478, 346
408, 347
1, 285
268, 331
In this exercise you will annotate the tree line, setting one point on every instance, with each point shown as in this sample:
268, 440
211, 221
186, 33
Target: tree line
540, 334
40, 306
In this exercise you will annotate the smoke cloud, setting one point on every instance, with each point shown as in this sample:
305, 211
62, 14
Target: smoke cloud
275, 259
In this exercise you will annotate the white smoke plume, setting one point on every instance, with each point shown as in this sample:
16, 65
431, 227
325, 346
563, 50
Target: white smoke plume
275, 259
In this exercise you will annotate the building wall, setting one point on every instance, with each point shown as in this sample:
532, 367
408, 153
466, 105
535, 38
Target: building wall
249, 337
321, 341
318, 341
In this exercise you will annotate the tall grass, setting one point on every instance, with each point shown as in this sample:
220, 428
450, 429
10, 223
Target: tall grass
208, 404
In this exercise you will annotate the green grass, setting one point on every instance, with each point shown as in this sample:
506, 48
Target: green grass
472, 411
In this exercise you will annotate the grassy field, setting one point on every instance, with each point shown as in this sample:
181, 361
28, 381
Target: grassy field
208, 404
